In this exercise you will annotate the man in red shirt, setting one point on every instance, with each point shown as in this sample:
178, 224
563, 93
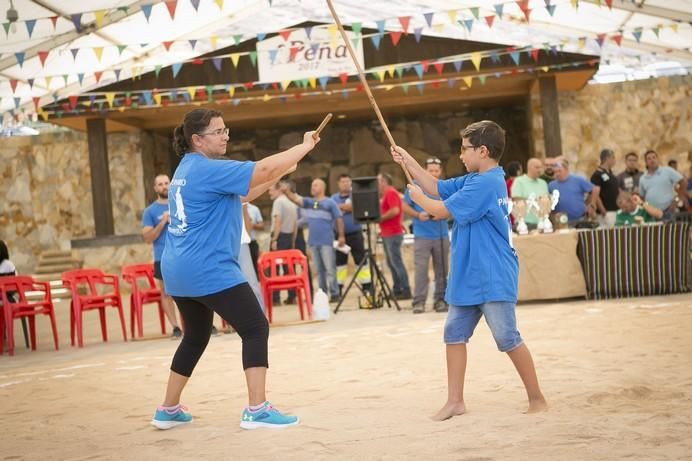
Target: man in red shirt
392, 233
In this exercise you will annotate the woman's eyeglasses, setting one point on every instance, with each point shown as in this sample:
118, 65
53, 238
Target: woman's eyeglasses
219, 132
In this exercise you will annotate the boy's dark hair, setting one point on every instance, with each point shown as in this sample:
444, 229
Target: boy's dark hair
4, 252
606, 154
631, 154
344, 175
486, 133
194, 123
650, 151
513, 168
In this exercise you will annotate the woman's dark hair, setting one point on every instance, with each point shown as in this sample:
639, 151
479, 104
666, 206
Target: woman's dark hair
4, 252
513, 169
194, 123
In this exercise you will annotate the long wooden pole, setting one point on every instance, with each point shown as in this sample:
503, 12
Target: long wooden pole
364, 82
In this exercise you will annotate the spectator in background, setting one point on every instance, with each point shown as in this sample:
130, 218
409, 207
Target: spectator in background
257, 223
634, 211
6, 266
530, 183
673, 164
661, 185
283, 230
628, 180
513, 171
392, 233
549, 168
689, 190
576, 200
605, 189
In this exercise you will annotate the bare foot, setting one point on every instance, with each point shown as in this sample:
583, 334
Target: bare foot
536, 406
448, 410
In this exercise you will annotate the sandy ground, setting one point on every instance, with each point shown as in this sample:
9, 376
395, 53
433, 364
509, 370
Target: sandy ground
617, 374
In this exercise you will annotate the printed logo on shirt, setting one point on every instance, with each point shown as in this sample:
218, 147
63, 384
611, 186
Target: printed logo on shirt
605, 177
180, 215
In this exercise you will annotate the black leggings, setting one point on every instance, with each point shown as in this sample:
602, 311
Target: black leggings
238, 306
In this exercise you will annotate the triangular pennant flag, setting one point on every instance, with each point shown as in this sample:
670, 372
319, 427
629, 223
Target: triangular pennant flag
418, 33
343, 77
551, 9
73, 101
253, 57
77, 21
655, 30
494, 57
30, 24
117, 74
356, 27
515, 55
167, 45
13, 84
482, 79
425, 64
36, 100
498, 9
475, 12
439, 67
157, 70
399, 71
674, 28
489, 20
452, 16
428, 18
175, 68
457, 65
97, 75
610, 4
285, 34
380, 25
157, 97
20, 58
355, 41
171, 6
468, 23
617, 39
74, 52
80, 78
405, 21
234, 59
574, 3
468, 81
147, 97
47, 79
192, 43
195, 4
146, 10
65, 77
419, 70
30, 81
405, 88
109, 98
376, 40
237, 38
6, 26
17, 101
312, 82
637, 34
261, 36
293, 52
545, 68
98, 16
219, 3
217, 63
98, 51
190, 92
323, 82
534, 54
54, 20
201, 94
231, 90
121, 48
212, 41
600, 39
380, 75
285, 84
42, 56
476, 60
581, 42
395, 36
272, 55
420, 86
435, 84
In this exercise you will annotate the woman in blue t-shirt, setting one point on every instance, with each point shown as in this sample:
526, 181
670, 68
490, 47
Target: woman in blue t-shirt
200, 260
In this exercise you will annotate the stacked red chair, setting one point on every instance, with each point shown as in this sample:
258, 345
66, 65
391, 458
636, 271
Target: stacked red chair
143, 291
296, 278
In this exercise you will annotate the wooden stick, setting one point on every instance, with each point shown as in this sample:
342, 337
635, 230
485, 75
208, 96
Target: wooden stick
322, 125
364, 82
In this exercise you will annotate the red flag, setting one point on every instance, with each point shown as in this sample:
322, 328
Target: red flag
395, 36
197, 62
98, 75
534, 54
171, 5
425, 65
53, 19
404, 21
13, 84
438, 67
360, 87
73, 101
201, 94
167, 45
275, 86
285, 34
42, 55
343, 77
294, 53
617, 39
248, 85
610, 4
489, 20
435, 84
36, 101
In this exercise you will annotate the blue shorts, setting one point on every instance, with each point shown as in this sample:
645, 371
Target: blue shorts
500, 317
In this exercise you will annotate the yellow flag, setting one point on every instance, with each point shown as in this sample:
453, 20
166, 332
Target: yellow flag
332, 34
48, 80
110, 96
121, 109
191, 91
452, 16
581, 43
390, 71
266, 97
476, 60
380, 75
99, 17
212, 41
674, 27
545, 68
219, 3
574, 3
43, 114
157, 99
439, 27
285, 84
468, 81
234, 59
98, 51
313, 82
231, 91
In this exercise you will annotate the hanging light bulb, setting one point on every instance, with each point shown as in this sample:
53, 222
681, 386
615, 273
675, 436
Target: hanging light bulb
12, 17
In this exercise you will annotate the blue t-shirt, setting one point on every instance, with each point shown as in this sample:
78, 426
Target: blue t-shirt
430, 229
572, 192
350, 226
151, 217
203, 238
657, 188
484, 266
321, 217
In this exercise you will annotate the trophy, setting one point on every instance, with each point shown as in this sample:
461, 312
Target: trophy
519, 210
546, 204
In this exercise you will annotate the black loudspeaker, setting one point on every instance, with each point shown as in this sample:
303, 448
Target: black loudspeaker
366, 199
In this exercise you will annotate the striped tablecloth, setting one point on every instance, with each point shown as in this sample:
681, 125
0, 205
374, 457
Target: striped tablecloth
635, 261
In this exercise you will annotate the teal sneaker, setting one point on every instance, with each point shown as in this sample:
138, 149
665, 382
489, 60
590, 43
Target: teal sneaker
267, 416
167, 419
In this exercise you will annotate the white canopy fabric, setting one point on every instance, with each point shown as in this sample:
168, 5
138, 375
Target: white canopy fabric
61, 48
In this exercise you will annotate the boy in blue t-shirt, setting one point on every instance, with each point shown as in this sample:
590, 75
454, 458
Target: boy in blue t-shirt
484, 267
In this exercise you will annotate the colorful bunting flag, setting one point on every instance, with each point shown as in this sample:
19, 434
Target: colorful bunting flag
98, 17
77, 21
428, 18
476, 60
195, 4
175, 68
404, 21
498, 9
172, 6
489, 20
376, 40
20, 57
395, 36
42, 56
146, 10
30, 24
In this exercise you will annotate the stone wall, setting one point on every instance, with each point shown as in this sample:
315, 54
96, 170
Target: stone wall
627, 117
45, 191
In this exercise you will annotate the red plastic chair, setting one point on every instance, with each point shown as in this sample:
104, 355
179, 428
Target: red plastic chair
270, 280
21, 285
91, 282
140, 296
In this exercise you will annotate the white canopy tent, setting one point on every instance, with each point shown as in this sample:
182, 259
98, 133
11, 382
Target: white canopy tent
60, 48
